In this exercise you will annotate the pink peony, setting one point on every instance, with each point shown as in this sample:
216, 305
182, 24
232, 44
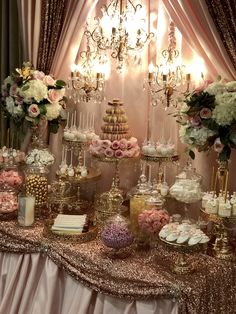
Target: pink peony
119, 153
123, 144
48, 80
203, 86
205, 113
54, 95
115, 145
33, 111
218, 146
109, 152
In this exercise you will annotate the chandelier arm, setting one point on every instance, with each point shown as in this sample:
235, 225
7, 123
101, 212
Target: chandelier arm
135, 7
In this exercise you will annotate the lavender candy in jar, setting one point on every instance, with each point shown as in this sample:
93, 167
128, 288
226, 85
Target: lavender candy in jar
117, 236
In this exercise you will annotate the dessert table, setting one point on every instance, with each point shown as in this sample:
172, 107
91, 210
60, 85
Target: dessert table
38, 274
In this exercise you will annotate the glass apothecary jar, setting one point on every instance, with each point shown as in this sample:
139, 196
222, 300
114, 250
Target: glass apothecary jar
11, 175
187, 186
137, 204
8, 201
154, 201
36, 184
117, 236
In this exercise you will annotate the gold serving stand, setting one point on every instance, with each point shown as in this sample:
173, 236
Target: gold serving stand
181, 264
159, 159
222, 247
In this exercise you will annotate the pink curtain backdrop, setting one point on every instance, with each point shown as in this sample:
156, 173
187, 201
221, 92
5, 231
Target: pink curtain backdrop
199, 34
41, 287
30, 15
196, 25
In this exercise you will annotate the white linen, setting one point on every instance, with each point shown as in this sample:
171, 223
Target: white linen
33, 284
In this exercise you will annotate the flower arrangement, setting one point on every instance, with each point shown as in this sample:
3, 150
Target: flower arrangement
151, 220
208, 118
30, 95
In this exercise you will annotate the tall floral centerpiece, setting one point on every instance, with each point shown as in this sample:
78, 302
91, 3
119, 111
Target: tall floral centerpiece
31, 95
207, 118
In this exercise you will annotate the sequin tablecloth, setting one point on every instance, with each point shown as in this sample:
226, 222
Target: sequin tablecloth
143, 275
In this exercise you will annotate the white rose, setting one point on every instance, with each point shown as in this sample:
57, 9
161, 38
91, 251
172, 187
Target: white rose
48, 80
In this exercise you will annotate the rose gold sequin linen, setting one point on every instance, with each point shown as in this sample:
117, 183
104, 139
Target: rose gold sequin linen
210, 289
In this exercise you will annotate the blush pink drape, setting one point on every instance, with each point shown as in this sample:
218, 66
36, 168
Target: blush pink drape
29, 12
195, 23
41, 287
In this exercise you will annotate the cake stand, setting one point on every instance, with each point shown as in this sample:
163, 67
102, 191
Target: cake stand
181, 264
222, 247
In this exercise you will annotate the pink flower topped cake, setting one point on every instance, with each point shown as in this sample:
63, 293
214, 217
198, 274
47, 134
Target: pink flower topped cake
115, 140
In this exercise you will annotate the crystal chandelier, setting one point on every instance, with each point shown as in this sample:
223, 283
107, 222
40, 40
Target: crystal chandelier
168, 79
121, 30
88, 77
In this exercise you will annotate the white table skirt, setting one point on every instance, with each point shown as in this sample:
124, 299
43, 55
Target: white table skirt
33, 284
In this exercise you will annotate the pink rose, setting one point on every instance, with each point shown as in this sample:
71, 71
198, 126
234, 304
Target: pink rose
96, 143
218, 146
109, 152
195, 121
203, 86
129, 153
119, 153
48, 80
133, 140
129, 145
205, 113
33, 111
123, 144
38, 75
115, 145
54, 95
106, 143
136, 152
13, 90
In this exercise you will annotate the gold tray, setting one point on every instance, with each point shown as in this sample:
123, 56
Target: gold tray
83, 237
184, 246
160, 158
218, 219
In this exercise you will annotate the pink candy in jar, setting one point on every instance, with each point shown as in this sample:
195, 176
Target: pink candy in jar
151, 221
8, 202
11, 178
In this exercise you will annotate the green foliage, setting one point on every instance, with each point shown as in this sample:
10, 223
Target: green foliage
191, 154
60, 84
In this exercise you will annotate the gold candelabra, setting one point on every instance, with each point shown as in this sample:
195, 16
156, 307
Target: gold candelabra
169, 78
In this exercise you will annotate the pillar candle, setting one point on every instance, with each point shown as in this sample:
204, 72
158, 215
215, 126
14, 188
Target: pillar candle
26, 211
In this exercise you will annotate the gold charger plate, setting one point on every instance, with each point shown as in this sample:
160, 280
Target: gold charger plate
83, 237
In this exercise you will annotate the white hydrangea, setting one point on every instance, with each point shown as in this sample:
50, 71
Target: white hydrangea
195, 136
36, 89
216, 88
53, 111
231, 86
225, 111
11, 108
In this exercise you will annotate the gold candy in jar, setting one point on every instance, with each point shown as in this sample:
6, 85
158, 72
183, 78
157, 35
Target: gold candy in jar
36, 184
